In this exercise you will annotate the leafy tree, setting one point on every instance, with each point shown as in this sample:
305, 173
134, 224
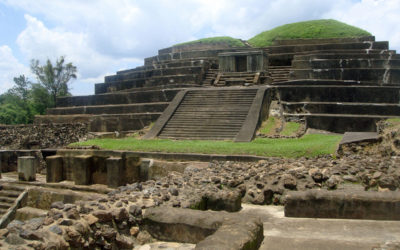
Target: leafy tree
54, 78
21, 88
41, 99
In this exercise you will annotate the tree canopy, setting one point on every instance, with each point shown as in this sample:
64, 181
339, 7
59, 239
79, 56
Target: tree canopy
26, 99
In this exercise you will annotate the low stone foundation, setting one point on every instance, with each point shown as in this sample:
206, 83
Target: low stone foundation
343, 205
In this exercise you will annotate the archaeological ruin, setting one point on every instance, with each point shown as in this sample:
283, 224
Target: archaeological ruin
55, 196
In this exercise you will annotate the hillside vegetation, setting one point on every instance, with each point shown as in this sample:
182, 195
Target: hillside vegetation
324, 28
233, 42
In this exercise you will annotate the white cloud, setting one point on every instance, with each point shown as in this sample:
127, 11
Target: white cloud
10, 68
380, 17
39, 42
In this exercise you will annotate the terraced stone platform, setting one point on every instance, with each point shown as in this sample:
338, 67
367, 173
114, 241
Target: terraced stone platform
340, 106
338, 84
119, 111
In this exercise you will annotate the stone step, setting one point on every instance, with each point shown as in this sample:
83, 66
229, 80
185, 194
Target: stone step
104, 123
287, 57
102, 88
381, 75
5, 205
209, 54
341, 123
343, 205
3, 211
118, 98
339, 93
381, 109
192, 137
8, 200
329, 46
338, 56
345, 63
9, 193
173, 79
323, 40
110, 109
190, 70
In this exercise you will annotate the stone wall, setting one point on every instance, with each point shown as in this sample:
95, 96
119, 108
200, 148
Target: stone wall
41, 135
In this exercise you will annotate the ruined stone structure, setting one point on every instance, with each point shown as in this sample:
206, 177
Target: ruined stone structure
343, 84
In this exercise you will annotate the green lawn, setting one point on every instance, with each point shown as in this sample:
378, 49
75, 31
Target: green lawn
309, 145
324, 28
290, 128
233, 42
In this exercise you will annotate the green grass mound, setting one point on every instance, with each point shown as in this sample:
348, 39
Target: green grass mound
324, 28
230, 41
309, 146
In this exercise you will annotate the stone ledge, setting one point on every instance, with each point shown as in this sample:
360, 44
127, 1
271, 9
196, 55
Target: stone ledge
343, 205
208, 229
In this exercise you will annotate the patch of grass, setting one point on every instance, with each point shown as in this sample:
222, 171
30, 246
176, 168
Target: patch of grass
324, 28
268, 127
308, 145
290, 128
393, 121
233, 42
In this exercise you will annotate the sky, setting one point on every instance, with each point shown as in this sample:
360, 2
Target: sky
101, 37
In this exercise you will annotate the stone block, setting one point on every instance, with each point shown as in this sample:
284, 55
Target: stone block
343, 205
54, 167
81, 169
27, 166
115, 172
144, 169
132, 169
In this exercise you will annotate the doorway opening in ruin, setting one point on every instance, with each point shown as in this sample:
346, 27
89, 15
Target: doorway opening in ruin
241, 63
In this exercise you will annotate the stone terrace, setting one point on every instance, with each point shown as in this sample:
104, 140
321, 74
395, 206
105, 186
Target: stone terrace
339, 85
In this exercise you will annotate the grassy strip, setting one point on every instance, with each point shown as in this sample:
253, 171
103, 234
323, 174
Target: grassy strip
268, 127
309, 145
233, 42
290, 128
325, 28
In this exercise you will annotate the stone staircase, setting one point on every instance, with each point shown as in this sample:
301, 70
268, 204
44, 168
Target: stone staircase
217, 114
278, 74
237, 79
210, 77
8, 195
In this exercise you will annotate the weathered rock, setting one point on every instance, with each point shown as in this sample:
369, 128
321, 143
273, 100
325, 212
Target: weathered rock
14, 239
103, 216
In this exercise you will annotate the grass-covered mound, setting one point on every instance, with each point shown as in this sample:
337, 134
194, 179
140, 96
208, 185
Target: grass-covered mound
324, 28
308, 145
230, 41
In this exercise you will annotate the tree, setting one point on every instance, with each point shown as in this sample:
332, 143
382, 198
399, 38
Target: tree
21, 88
54, 78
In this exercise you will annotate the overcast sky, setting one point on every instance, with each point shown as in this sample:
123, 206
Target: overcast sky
103, 36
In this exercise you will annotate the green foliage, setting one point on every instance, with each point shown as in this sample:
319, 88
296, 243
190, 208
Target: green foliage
41, 99
13, 114
54, 78
290, 128
268, 126
308, 145
233, 42
26, 99
324, 28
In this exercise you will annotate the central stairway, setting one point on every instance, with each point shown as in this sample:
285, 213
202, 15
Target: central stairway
217, 114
